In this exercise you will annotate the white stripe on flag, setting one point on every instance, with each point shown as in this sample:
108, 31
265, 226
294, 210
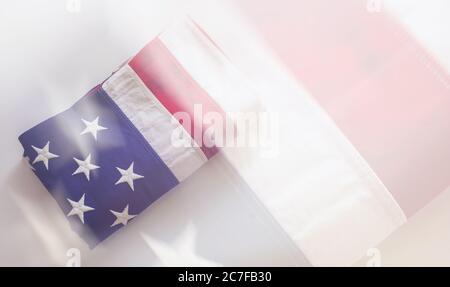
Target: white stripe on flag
153, 121
209, 67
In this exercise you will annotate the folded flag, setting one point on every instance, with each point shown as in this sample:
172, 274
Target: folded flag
112, 154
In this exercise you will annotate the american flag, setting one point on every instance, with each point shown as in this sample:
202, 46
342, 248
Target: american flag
110, 155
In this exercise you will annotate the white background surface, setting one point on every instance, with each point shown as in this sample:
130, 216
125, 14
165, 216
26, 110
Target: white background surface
50, 57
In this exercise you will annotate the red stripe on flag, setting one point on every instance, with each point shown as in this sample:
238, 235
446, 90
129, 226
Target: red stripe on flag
175, 89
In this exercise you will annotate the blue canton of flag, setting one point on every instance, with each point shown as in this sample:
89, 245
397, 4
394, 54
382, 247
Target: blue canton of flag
97, 165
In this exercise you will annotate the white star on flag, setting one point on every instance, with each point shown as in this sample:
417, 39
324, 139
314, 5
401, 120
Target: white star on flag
122, 217
44, 154
128, 176
78, 208
85, 166
92, 127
